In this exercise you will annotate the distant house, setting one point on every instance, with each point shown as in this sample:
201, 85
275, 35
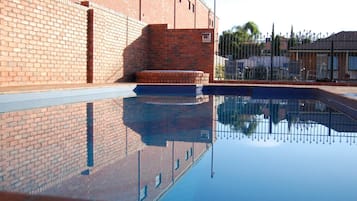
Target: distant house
337, 52
257, 67
283, 46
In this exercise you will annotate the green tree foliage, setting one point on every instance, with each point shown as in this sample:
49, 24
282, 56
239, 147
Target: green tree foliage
276, 46
219, 71
240, 42
241, 117
295, 40
248, 32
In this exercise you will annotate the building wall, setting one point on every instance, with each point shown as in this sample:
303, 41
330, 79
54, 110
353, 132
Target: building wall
119, 45
59, 42
162, 14
185, 17
352, 73
180, 49
309, 62
42, 42
342, 66
176, 13
204, 16
130, 8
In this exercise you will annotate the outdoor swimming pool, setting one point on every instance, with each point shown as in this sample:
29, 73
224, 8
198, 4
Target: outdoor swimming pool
181, 143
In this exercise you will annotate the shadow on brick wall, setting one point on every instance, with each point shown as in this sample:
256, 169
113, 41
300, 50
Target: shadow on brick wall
135, 55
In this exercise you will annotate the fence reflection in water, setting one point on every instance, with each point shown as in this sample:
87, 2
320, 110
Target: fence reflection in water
298, 121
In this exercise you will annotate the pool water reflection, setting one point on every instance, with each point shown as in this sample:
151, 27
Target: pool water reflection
275, 150
181, 148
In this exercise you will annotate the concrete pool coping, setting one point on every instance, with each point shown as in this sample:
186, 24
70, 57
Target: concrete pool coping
15, 99
52, 87
41, 88
349, 92
346, 95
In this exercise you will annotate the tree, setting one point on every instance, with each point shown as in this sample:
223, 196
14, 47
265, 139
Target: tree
240, 42
301, 38
240, 116
248, 32
293, 41
277, 42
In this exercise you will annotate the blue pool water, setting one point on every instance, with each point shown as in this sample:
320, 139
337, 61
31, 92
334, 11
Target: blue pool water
225, 144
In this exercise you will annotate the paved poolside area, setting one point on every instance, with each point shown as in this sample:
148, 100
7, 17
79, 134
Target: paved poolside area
6, 196
42, 88
348, 91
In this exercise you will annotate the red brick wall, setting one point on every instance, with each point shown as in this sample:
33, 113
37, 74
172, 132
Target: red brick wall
180, 49
42, 42
42, 147
129, 8
46, 42
119, 46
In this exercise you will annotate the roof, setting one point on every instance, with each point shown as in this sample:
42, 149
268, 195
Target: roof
342, 41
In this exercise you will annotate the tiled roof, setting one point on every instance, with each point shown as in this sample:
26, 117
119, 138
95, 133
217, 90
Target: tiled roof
345, 40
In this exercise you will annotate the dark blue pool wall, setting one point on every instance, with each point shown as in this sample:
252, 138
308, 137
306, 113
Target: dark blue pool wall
341, 103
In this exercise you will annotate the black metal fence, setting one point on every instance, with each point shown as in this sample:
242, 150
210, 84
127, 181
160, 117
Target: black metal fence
301, 56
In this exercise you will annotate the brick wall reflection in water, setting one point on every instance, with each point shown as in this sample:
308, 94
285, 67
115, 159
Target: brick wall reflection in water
103, 150
41, 147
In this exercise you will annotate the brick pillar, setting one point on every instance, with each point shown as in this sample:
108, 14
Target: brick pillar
90, 48
90, 41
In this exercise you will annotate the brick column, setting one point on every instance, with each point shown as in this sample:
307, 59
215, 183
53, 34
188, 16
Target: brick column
90, 48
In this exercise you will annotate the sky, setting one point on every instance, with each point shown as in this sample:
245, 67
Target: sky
316, 16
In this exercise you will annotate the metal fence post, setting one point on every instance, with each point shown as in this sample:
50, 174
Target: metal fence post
272, 47
332, 61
